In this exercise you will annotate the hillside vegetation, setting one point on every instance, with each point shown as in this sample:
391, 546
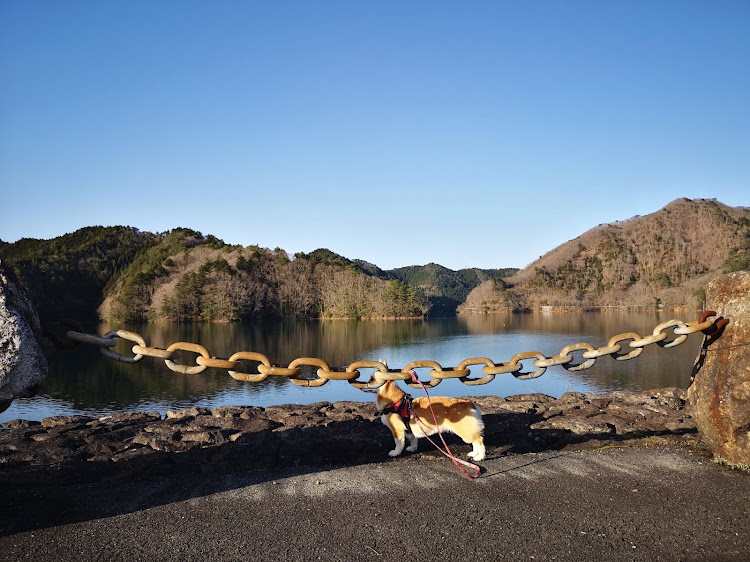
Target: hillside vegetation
664, 259
68, 274
124, 275
446, 288
221, 283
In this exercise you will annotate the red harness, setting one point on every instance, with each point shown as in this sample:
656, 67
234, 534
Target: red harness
403, 409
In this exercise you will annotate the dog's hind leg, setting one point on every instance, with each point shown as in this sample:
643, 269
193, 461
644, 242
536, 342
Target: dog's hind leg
478, 451
470, 430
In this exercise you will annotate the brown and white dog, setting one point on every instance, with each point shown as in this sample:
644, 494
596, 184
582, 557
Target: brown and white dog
459, 416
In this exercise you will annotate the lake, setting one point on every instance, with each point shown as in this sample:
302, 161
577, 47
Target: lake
82, 381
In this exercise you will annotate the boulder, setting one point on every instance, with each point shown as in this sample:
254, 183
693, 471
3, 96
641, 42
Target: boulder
23, 367
719, 397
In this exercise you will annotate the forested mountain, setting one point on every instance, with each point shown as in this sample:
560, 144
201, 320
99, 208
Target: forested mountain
664, 259
218, 282
69, 273
447, 288
122, 274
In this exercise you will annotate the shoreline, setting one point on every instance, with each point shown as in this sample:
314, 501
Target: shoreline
571, 309
129, 445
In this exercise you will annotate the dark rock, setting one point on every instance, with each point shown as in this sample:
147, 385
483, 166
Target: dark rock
157, 440
203, 437
58, 421
128, 454
536, 397
130, 417
198, 440
575, 425
187, 413
572, 398
243, 412
719, 397
23, 367
19, 424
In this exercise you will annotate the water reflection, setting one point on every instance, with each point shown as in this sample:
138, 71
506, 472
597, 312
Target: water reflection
82, 381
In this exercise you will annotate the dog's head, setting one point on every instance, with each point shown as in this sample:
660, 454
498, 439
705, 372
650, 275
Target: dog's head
388, 395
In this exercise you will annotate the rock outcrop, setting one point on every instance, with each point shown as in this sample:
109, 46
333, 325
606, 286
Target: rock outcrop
720, 394
240, 438
23, 367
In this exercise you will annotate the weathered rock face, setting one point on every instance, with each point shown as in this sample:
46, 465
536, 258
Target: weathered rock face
23, 367
719, 397
239, 438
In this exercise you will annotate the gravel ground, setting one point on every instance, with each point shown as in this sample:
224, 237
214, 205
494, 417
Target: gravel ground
638, 502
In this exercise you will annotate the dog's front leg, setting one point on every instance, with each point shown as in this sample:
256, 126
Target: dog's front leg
398, 430
413, 442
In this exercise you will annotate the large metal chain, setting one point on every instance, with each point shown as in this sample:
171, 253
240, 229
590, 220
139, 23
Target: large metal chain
236, 364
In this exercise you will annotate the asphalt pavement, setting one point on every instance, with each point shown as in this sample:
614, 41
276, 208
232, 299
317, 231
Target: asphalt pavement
628, 503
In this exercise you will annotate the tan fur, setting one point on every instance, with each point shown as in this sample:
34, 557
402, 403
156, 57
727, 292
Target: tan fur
453, 415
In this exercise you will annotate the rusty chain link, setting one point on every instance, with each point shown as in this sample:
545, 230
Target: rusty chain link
235, 364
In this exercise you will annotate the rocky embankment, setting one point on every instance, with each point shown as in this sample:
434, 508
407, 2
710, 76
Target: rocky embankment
23, 367
128, 446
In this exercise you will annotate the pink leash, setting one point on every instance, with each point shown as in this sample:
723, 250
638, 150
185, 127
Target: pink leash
447, 451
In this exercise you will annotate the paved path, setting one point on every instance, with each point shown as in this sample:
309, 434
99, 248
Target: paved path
633, 503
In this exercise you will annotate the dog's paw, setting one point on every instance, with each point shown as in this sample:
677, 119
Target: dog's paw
476, 456
411, 448
394, 453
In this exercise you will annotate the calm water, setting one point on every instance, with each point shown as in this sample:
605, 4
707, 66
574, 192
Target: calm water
82, 381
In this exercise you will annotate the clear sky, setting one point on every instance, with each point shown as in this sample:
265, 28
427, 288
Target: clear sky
476, 133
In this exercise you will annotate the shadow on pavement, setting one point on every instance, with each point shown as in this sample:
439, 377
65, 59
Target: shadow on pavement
37, 497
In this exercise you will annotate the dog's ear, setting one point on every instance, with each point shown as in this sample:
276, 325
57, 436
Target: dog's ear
384, 362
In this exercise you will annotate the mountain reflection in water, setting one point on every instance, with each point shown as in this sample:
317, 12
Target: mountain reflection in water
82, 381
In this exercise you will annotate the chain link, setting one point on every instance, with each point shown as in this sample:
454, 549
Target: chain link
237, 369
124, 334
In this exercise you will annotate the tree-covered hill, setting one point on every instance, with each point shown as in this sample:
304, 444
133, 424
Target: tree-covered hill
67, 275
664, 259
446, 288
122, 274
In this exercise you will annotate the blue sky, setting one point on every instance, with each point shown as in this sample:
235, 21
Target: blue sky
407, 132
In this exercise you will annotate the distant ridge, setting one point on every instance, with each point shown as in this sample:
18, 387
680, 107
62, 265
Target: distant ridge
664, 259
446, 288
